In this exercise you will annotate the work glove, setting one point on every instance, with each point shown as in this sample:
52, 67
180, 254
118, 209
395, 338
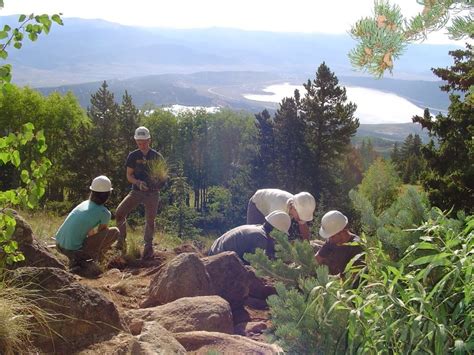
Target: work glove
142, 186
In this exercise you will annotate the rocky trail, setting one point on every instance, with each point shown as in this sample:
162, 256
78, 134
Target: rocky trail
178, 302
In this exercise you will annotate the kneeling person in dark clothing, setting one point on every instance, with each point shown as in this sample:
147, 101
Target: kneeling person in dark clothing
84, 235
249, 237
335, 254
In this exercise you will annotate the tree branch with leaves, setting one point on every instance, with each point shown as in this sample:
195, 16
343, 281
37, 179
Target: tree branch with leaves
383, 37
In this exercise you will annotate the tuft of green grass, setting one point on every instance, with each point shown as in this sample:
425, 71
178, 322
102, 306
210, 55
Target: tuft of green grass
134, 242
158, 171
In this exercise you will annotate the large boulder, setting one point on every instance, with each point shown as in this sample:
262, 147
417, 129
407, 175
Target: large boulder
259, 287
184, 276
229, 277
209, 313
36, 254
79, 315
200, 342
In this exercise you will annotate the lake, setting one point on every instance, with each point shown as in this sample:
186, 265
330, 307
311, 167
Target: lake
373, 106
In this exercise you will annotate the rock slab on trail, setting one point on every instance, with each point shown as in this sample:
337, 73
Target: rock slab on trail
209, 313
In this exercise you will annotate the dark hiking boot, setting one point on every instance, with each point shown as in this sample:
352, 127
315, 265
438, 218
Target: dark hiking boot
86, 268
121, 245
148, 252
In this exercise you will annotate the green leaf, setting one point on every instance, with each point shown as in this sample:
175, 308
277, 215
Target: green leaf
15, 158
22, 18
3, 34
33, 36
56, 18
25, 176
3, 54
17, 45
430, 258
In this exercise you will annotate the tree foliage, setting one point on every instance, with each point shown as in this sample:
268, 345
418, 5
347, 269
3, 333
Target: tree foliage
29, 187
449, 179
383, 38
30, 27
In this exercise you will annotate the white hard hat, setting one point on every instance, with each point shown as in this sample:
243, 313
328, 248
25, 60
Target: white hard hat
142, 133
332, 223
279, 220
101, 184
305, 204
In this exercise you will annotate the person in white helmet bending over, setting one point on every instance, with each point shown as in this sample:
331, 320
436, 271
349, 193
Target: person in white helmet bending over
335, 254
249, 237
300, 207
85, 234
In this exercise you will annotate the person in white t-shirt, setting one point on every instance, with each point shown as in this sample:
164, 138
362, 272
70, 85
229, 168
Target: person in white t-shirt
300, 207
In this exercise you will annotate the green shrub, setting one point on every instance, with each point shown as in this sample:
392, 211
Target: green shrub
420, 304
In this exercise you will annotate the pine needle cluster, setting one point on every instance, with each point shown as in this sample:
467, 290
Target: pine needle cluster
384, 37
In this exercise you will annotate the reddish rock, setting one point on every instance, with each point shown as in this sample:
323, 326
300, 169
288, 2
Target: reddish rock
184, 276
209, 313
135, 326
229, 277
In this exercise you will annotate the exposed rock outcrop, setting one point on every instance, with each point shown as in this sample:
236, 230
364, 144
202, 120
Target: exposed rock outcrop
209, 313
184, 276
153, 341
229, 277
79, 315
200, 342
35, 253
259, 287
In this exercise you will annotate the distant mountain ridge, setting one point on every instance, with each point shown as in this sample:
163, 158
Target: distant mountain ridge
95, 50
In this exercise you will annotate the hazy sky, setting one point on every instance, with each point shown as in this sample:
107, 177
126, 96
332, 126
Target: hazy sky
328, 16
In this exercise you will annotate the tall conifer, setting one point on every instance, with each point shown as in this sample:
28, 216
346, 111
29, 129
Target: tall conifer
330, 125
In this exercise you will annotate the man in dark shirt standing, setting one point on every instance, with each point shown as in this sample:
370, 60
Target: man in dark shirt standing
249, 237
141, 193
335, 254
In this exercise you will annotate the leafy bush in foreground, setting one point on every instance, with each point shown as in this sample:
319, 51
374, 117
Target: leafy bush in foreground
421, 304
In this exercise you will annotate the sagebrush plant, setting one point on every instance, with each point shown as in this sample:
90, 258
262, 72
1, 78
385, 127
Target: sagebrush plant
158, 171
19, 318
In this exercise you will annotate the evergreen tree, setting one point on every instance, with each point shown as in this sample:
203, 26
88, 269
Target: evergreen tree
395, 157
449, 179
128, 116
407, 147
330, 124
289, 131
104, 151
264, 163
417, 144
368, 154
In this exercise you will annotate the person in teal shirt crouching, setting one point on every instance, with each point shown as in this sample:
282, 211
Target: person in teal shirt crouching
85, 235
